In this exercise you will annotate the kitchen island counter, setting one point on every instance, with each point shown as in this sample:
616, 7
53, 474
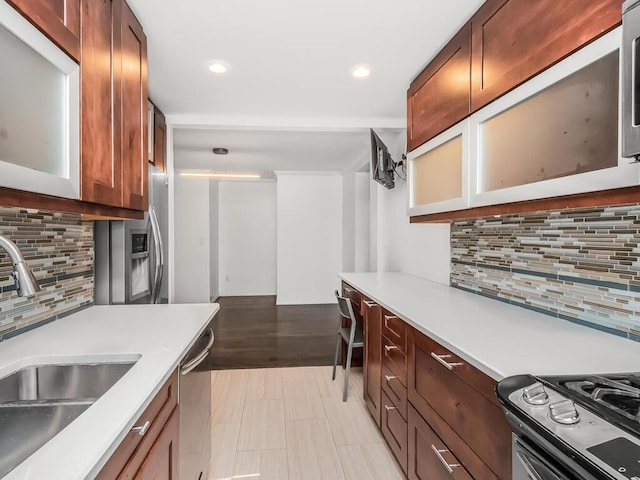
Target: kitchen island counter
158, 336
497, 338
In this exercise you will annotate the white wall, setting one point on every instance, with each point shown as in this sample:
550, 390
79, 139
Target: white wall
396, 245
191, 239
309, 237
214, 266
421, 249
348, 222
361, 222
247, 239
355, 222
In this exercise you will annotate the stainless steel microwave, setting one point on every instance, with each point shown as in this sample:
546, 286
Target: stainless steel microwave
631, 79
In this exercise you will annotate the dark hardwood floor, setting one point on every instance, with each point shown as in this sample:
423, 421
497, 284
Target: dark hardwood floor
253, 332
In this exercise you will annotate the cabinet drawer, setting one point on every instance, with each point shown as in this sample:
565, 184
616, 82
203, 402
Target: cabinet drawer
127, 459
459, 367
394, 329
395, 390
394, 359
457, 393
429, 458
394, 430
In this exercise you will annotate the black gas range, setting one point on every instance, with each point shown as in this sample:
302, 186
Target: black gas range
574, 427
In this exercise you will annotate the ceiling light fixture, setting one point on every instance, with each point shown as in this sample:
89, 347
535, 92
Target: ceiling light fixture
219, 67
220, 175
361, 71
220, 150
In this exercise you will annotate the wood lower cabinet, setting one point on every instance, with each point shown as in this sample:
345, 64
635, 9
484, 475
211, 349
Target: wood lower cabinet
513, 40
429, 458
372, 316
57, 19
439, 97
443, 387
153, 455
394, 430
395, 360
113, 71
162, 461
438, 414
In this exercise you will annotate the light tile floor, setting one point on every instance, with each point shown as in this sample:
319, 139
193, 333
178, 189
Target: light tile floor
291, 424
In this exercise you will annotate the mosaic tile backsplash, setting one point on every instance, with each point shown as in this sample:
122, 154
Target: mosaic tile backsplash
580, 265
59, 249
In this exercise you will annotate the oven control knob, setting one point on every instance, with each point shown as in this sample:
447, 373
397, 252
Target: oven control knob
535, 394
564, 412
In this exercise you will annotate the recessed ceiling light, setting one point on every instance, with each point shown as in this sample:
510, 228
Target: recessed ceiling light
219, 67
361, 71
220, 175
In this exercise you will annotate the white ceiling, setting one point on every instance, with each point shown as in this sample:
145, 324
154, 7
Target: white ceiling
290, 66
266, 151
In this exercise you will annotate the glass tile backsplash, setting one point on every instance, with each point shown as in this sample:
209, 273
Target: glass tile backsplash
59, 249
581, 265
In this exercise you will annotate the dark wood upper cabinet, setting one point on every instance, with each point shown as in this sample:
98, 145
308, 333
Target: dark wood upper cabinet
100, 166
514, 40
439, 97
57, 19
159, 140
133, 61
113, 161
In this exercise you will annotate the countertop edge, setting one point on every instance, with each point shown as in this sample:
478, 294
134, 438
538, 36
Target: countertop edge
483, 367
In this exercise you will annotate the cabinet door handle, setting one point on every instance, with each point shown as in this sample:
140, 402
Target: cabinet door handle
369, 303
438, 454
143, 429
442, 361
349, 290
388, 348
388, 378
388, 408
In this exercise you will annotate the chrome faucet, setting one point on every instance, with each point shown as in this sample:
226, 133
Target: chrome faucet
26, 283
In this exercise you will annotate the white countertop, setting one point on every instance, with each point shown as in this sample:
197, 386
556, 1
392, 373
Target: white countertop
497, 338
160, 335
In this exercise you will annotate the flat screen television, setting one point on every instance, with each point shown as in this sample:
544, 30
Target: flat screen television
382, 165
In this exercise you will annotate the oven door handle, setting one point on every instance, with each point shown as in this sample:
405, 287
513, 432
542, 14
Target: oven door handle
199, 358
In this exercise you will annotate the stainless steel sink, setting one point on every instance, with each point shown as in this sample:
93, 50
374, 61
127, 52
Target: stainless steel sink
37, 402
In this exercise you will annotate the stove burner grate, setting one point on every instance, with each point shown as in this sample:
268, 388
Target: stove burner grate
622, 395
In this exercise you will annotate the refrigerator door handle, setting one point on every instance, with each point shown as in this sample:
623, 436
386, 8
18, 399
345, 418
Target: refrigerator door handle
159, 264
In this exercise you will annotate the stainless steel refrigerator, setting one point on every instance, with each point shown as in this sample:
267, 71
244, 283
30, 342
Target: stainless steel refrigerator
130, 255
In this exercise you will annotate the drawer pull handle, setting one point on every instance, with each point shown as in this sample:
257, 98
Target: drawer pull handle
442, 361
369, 303
388, 348
388, 378
388, 408
438, 453
143, 429
389, 317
